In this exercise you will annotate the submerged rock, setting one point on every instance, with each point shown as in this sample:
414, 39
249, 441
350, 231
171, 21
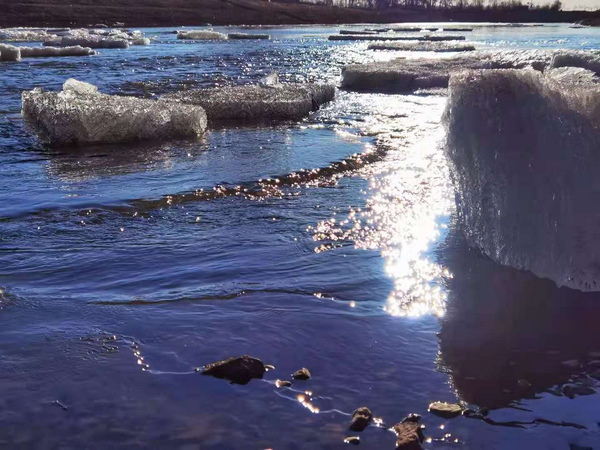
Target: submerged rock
285, 101
361, 418
302, 374
80, 115
446, 410
238, 370
409, 435
523, 148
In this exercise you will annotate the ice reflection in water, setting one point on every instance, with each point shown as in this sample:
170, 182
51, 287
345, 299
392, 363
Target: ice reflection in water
409, 203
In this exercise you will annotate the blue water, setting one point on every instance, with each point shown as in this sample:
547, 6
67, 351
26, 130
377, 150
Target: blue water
116, 282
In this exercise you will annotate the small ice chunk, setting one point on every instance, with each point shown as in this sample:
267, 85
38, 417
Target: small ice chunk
140, 41
201, 35
79, 87
584, 60
9, 53
80, 115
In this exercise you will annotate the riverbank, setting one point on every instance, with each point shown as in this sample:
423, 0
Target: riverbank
238, 12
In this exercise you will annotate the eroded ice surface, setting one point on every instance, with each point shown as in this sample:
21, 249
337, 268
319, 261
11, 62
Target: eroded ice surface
256, 102
80, 115
523, 147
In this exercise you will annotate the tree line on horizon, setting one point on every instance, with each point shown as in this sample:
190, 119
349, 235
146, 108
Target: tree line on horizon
481, 5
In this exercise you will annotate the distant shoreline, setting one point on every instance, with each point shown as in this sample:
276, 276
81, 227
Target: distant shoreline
153, 13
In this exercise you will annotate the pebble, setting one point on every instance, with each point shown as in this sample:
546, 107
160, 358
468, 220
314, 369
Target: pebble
302, 374
361, 418
446, 410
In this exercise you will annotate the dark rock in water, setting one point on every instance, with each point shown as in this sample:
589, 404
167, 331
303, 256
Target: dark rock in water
302, 374
445, 410
238, 370
579, 447
524, 384
283, 383
412, 418
409, 436
361, 418
354, 440
572, 390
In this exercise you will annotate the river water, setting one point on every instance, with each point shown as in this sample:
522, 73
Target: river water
116, 282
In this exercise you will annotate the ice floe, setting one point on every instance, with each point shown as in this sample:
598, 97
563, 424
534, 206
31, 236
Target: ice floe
201, 35
248, 36
418, 46
285, 101
80, 115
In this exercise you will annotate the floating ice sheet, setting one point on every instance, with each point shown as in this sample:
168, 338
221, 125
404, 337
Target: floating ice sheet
80, 115
422, 47
38, 52
248, 36
286, 101
404, 75
201, 35
523, 148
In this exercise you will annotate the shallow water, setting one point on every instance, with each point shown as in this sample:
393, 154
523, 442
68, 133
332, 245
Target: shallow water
125, 267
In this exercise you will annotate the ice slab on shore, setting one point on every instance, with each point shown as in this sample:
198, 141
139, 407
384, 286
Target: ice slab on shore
523, 150
201, 35
438, 47
286, 101
405, 75
79, 115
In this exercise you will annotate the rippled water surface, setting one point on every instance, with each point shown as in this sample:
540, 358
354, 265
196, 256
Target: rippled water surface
124, 267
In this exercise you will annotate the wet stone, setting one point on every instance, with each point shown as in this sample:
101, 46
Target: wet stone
283, 383
412, 418
354, 440
361, 418
573, 390
238, 370
409, 435
302, 374
445, 410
